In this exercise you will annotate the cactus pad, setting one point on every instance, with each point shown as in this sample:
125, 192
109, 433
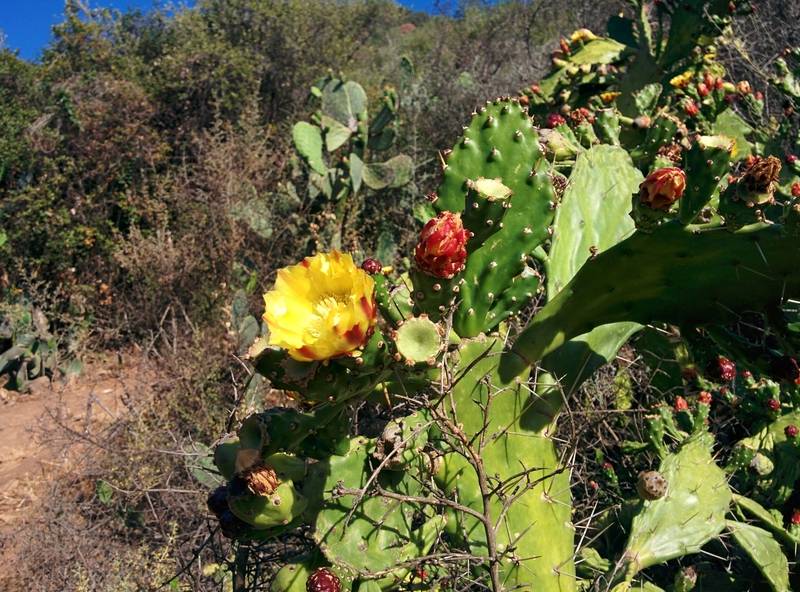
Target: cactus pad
690, 514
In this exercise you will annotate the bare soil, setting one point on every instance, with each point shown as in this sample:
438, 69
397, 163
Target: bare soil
42, 433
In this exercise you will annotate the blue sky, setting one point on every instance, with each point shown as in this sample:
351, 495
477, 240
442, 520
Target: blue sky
26, 23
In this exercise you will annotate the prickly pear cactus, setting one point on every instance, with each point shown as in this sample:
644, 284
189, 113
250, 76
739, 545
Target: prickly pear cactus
621, 192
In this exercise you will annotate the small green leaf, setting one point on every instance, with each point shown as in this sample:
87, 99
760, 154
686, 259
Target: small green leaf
356, 171
729, 124
597, 51
646, 100
104, 492
424, 211
386, 250
200, 463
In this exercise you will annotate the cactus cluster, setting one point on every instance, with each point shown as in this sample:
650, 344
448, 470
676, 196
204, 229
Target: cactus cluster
340, 142
28, 349
549, 249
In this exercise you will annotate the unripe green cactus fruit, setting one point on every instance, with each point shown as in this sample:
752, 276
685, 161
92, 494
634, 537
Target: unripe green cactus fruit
419, 340
275, 509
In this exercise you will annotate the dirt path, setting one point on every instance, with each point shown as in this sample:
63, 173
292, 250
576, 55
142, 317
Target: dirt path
29, 452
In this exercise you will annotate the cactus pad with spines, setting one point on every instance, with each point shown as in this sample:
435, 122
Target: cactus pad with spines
706, 166
374, 538
674, 274
764, 551
517, 446
498, 153
689, 515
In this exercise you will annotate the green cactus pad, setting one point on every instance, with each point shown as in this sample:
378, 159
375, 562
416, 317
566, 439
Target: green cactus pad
774, 457
418, 340
593, 214
402, 442
691, 514
765, 552
660, 133
394, 302
516, 441
771, 520
706, 165
672, 274
501, 147
395, 172
308, 141
345, 102
380, 534
500, 143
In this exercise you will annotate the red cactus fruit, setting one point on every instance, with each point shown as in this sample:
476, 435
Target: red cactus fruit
791, 431
702, 89
796, 518
680, 404
323, 580
759, 95
554, 120
441, 250
791, 158
796, 189
704, 397
580, 115
371, 266
691, 109
722, 369
774, 405
662, 188
746, 374
536, 89
743, 87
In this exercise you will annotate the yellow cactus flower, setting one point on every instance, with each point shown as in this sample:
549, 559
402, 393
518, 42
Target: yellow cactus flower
321, 308
608, 97
682, 80
582, 35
